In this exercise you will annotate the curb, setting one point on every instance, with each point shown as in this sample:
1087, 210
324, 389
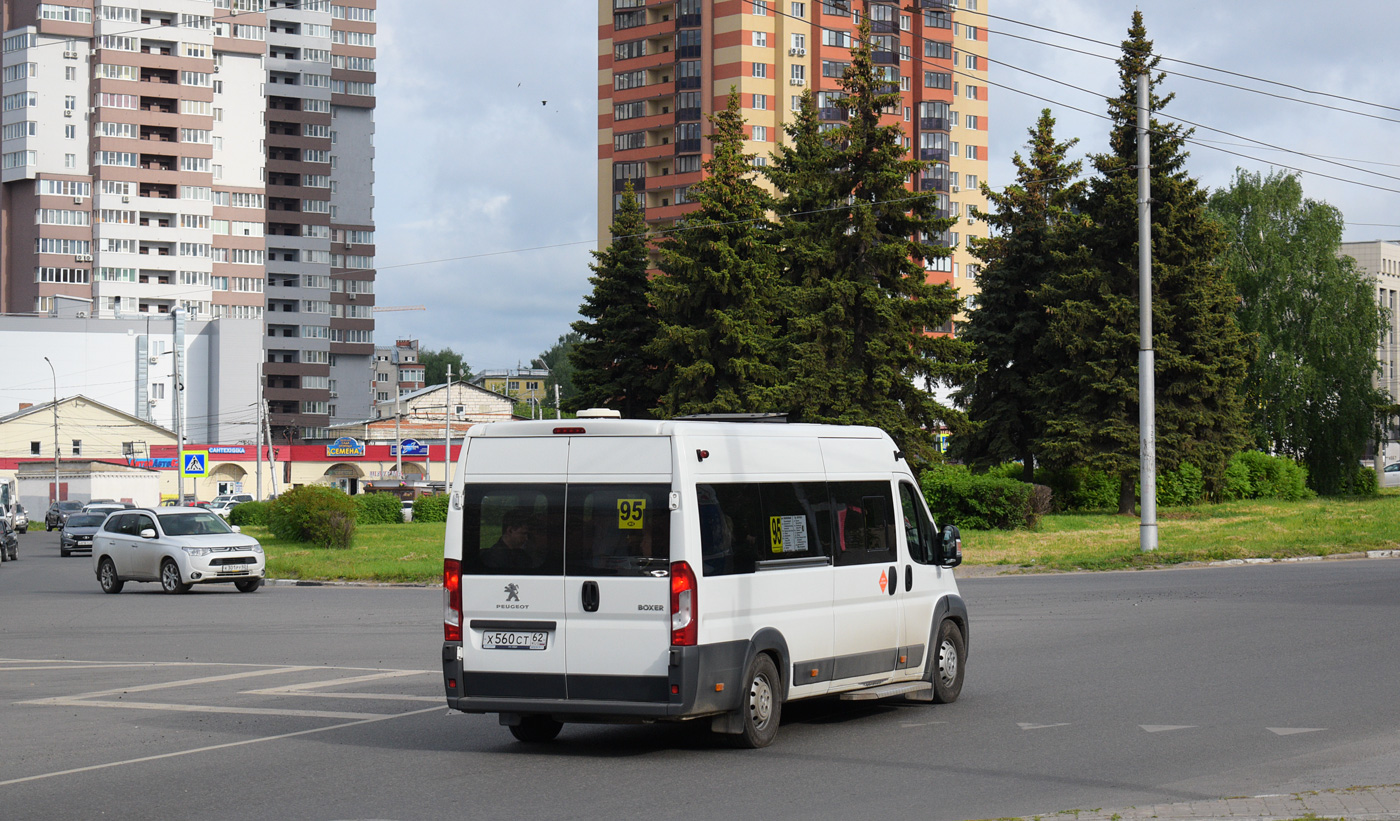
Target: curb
976, 571
325, 583
1379, 803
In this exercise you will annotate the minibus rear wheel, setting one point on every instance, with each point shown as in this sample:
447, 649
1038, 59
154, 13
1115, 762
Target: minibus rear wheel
763, 704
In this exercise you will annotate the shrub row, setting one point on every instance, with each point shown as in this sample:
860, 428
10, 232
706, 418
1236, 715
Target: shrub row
249, 513
378, 509
430, 508
982, 502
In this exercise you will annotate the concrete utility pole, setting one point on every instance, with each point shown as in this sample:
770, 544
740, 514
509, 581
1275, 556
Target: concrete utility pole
1147, 399
398, 439
179, 427
447, 434
55, 430
257, 436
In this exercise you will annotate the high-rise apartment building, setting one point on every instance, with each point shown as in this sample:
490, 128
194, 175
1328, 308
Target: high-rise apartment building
213, 155
665, 64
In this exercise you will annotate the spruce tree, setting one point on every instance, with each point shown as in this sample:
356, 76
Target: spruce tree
715, 298
610, 365
1091, 398
1028, 219
860, 341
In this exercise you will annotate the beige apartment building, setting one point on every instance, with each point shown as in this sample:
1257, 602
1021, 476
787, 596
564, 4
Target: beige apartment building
1380, 259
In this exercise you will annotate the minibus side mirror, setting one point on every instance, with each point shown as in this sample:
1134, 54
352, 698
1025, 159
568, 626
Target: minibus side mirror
950, 547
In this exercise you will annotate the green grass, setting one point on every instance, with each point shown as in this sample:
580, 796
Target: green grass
1235, 530
382, 553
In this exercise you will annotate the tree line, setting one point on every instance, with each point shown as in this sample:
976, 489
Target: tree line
814, 299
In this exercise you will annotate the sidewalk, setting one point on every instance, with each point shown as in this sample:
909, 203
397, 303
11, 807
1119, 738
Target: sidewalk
1353, 804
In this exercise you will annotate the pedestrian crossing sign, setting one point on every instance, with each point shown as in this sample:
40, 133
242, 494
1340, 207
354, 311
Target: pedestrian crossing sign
196, 463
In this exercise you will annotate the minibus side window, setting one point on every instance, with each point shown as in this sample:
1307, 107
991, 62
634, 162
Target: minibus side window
618, 530
865, 531
743, 523
917, 528
513, 530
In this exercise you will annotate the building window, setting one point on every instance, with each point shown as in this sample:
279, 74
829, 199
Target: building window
760, 133
760, 8
158, 390
760, 39
33, 448
799, 10
760, 69
77, 447
799, 72
760, 102
971, 120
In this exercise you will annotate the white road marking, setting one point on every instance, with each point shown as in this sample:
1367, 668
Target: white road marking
205, 708
1294, 730
210, 748
166, 685
1041, 726
1166, 728
923, 724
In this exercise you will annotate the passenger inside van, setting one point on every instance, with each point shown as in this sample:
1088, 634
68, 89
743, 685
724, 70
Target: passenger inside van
520, 546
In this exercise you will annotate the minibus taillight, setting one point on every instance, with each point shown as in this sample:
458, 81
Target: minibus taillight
685, 608
451, 600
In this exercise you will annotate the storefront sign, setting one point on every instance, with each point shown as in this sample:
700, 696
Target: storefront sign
231, 450
411, 447
345, 446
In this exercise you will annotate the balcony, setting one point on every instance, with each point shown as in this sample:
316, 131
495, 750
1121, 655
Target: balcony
638, 184
833, 113
888, 58
933, 124
884, 27
933, 154
687, 115
936, 5
927, 184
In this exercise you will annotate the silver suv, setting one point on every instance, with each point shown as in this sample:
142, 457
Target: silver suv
176, 546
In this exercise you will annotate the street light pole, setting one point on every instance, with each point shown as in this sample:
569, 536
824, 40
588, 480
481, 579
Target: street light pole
55, 429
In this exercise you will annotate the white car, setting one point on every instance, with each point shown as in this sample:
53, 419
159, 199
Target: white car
1390, 477
176, 546
223, 504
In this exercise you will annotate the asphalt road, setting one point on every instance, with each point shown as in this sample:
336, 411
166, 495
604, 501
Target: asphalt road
1082, 691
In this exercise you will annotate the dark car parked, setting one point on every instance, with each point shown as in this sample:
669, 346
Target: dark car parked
9, 542
78, 532
58, 513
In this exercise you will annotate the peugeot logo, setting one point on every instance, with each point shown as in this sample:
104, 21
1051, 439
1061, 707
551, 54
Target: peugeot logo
512, 592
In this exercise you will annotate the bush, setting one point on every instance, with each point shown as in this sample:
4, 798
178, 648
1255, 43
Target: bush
334, 529
430, 508
955, 496
1361, 482
1184, 486
1234, 483
1080, 489
1275, 477
249, 513
312, 513
378, 509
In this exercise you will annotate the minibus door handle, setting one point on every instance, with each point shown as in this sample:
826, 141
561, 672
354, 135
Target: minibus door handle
894, 579
590, 597
908, 577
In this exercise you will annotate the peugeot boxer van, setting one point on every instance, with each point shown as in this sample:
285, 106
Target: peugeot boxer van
611, 570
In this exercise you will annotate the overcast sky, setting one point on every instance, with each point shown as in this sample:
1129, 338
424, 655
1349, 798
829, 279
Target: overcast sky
487, 132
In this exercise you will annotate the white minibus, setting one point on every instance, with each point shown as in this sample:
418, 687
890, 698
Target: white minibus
615, 570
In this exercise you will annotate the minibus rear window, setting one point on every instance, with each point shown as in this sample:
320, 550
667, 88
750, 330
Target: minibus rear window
743, 523
513, 530
618, 530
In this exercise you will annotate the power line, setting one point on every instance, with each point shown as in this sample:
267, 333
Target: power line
1198, 79
1198, 125
1184, 62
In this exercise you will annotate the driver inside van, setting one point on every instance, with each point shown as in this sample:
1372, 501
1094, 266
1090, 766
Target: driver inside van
520, 546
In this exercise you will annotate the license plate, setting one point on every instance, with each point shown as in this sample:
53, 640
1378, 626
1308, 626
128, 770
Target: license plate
508, 640
233, 570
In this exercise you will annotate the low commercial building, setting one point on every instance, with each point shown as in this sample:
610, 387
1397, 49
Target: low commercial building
84, 480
